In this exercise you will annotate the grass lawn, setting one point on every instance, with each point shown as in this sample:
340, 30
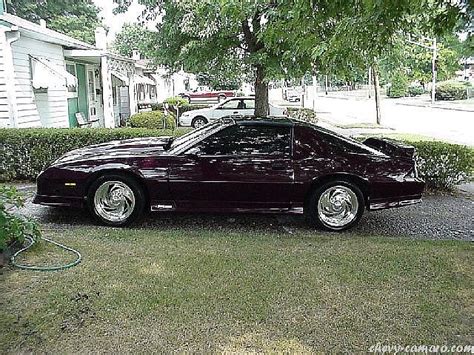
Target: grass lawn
237, 289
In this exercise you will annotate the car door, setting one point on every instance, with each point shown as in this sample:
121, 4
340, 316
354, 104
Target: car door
244, 166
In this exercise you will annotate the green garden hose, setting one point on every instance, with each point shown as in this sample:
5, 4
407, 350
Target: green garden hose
45, 268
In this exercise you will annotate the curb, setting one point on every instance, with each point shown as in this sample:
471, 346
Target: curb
438, 107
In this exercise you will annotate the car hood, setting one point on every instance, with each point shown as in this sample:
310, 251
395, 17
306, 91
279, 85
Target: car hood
117, 149
200, 111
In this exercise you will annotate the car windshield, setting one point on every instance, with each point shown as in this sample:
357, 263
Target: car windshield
194, 134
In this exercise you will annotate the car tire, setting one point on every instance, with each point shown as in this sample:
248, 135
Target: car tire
198, 122
335, 206
187, 98
116, 200
221, 98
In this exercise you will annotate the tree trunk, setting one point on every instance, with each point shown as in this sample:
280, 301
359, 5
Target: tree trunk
375, 77
261, 93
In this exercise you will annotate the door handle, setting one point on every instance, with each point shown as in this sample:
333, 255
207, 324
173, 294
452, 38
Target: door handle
235, 112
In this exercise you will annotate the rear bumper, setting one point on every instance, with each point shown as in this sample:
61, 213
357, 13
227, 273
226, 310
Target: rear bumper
59, 201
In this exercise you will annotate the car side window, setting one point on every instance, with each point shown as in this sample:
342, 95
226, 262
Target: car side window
249, 103
231, 105
246, 140
307, 143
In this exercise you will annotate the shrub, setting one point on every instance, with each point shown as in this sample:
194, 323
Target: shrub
399, 87
451, 90
303, 114
13, 227
152, 120
444, 165
176, 100
25, 152
415, 90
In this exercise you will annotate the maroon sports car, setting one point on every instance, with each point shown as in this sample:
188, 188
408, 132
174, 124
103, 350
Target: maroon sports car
272, 165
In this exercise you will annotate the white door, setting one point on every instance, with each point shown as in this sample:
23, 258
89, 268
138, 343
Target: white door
91, 94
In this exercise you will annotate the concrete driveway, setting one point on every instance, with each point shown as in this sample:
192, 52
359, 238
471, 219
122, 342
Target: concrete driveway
443, 217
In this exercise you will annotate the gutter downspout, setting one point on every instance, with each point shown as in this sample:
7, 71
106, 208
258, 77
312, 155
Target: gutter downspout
11, 35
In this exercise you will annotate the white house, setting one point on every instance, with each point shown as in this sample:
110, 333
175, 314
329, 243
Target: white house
47, 78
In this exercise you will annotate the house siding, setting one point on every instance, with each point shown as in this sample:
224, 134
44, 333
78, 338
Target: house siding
4, 107
38, 109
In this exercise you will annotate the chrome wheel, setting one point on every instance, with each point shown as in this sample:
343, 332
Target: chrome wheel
114, 201
337, 206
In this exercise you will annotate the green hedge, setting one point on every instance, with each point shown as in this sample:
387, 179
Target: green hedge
415, 90
25, 152
451, 90
444, 165
152, 120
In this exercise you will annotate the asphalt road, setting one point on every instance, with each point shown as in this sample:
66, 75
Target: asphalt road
438, 217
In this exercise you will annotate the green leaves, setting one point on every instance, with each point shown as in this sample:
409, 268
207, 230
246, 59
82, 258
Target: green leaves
76, 18
12, 226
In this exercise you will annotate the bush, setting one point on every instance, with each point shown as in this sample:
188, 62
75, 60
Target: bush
399, 87
152, 120
303, 114
25, 152
415, 90
444, 165
451, 90
176, 100
13, 227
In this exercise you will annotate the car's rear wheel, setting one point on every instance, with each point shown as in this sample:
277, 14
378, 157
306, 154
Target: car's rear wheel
116, 200
198, 122
187, 98
221, 98
336, 206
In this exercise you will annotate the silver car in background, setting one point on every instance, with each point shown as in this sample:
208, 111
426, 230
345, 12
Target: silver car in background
241, 106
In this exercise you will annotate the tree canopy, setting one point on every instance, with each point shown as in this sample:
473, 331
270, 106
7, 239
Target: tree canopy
134, 37
76, 18
268, 39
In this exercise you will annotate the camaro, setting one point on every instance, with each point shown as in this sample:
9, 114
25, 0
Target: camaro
246, 164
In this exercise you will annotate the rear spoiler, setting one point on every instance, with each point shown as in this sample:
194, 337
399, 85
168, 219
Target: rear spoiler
391, 147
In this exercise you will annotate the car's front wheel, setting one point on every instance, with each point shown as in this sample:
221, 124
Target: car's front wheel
336, 206
221, 98
198, 122
116, 200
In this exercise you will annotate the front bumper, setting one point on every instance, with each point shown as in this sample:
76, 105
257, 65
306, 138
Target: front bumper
59, 201
185, 121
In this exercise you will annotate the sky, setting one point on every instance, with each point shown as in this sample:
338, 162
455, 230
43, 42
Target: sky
115, 22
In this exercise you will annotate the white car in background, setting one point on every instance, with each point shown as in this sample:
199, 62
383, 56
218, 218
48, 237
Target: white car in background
240, 106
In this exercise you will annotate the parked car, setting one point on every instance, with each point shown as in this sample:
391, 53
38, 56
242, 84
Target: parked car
293, 96
273, 165
202, 94
242, 106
